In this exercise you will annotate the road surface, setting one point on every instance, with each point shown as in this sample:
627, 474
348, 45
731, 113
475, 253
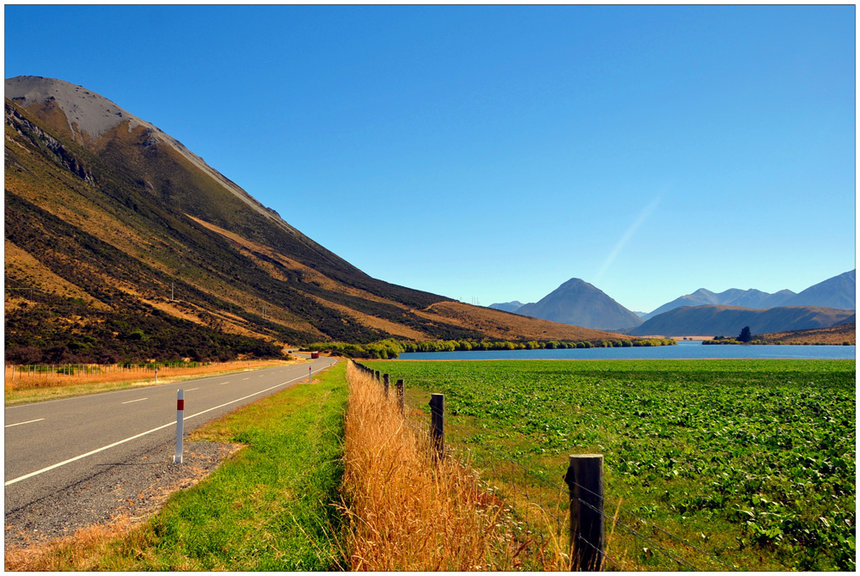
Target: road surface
54, 445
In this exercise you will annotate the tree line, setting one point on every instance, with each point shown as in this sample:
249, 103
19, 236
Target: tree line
391, 348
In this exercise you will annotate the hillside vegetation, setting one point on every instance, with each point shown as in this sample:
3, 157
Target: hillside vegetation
835, 335
122, 245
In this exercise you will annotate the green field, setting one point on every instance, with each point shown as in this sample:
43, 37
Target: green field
709, 464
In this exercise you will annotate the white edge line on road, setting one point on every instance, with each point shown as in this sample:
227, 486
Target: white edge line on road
192, 389
136, 436
138, 400
27, 422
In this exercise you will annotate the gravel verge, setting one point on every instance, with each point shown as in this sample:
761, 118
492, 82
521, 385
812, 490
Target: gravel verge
132, 491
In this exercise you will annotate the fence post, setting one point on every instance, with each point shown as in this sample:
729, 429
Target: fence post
376, 375
180, 413
437, 422
400, 395
386, 382
584, 477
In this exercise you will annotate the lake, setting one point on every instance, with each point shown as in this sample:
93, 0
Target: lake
685, 350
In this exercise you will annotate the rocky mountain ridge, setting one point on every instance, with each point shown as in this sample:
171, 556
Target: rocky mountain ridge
589, 307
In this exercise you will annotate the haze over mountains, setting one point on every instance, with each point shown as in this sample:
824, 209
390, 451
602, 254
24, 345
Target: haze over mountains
121, 244
721, 320
703, 312
836, 292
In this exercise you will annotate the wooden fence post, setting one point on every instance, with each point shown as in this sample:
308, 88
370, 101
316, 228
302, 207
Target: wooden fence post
386, 382
376, 375
585, 479
401, 400
437, 423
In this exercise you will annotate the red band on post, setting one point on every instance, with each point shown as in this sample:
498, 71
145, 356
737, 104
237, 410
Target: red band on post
180, 404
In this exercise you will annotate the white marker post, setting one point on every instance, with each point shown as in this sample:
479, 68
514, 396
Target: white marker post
309, 373
180, 412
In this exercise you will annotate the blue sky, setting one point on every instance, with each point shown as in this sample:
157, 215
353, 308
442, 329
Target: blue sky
490, 153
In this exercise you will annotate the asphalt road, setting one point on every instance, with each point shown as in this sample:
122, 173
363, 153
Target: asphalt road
51, 446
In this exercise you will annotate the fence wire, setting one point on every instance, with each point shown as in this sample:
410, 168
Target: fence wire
650, 525
621, 520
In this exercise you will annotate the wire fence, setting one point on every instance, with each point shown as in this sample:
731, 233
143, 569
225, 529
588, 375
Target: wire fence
541, 501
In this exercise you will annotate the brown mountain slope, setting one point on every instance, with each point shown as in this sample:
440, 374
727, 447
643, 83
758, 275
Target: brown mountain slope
839, 334
123, 245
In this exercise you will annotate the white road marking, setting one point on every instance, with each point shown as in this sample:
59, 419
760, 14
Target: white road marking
191, 389
27, 422
136, 436
138, 400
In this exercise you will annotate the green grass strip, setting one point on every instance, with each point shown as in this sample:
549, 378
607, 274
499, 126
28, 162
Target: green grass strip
270, 507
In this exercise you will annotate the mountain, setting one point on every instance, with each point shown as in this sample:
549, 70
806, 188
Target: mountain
579, 303
733, 297
507, 306
724, 320
836, 292
121, 244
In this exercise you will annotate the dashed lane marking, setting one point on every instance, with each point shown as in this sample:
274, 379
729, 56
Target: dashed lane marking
22, 423
136, 436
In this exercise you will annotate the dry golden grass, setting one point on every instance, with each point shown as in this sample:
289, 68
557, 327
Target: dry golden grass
77, 551
24, 267
251, 248
835, 335
22, 386
407, 510
373, 321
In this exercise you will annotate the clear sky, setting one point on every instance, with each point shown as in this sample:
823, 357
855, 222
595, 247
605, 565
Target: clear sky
490, 153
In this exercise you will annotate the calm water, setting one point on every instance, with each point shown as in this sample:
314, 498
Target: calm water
684, 351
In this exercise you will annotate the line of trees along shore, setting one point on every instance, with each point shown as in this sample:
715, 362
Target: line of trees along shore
390, 348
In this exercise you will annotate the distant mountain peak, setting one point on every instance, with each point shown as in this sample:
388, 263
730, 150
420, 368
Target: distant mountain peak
512, 306
693, 313
835, 292
580, 303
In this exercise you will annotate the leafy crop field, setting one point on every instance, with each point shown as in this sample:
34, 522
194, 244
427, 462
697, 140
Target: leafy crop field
709, 464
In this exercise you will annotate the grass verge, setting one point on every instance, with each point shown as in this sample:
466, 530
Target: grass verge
273, 506
408, 510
